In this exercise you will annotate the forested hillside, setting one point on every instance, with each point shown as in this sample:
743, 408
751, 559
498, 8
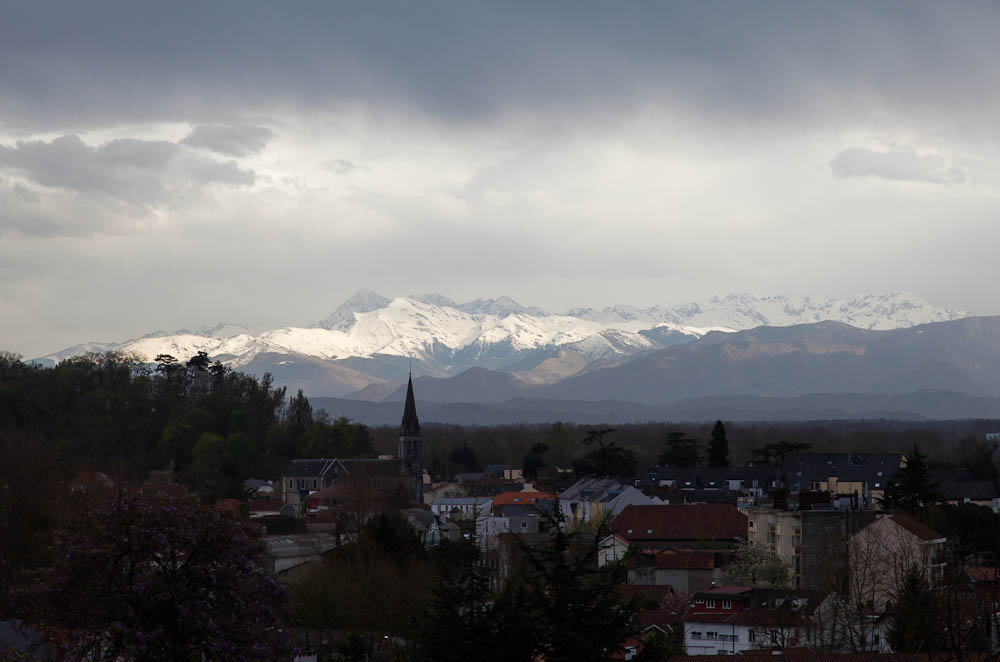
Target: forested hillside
213, 427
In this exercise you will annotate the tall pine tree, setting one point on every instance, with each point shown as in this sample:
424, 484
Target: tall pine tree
911, 489
718, 448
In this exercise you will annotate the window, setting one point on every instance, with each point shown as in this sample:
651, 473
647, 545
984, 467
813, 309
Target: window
648, 531
878, 484
753, 636
710, 604
727, 604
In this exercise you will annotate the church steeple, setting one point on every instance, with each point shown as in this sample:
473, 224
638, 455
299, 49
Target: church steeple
411, 443
411, 424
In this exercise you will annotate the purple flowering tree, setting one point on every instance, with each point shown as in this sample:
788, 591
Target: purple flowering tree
161, 577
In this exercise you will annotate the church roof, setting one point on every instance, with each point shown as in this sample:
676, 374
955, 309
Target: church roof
410, 425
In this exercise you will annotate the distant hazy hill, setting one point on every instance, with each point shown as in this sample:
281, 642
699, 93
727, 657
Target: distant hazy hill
817, 406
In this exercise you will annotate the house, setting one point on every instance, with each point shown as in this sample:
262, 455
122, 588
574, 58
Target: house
264, 508
611, 548
444, 491
592, 499
980, 493
283, 552
684, 571
457, 508
810, 542
426, 524
514, 518
882, 553
520, 498
861, 475
725, 482
681, 526
733, 619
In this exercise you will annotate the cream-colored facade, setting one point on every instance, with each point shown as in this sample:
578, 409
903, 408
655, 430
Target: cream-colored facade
781, 532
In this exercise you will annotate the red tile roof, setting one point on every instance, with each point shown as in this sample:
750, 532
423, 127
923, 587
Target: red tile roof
715, 521
521, 498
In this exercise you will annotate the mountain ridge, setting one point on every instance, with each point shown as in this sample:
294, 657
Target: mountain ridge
370, 334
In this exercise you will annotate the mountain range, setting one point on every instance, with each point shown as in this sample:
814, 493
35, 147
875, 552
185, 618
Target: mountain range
496, 350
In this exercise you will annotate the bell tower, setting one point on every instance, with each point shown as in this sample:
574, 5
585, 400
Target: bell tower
411, 442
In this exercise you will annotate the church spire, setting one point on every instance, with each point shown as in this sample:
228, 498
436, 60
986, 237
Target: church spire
411, 425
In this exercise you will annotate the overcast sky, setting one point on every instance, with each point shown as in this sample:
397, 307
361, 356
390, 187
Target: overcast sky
174, 164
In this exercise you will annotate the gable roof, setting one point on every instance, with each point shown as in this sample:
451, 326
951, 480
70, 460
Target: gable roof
918, 529
309, 468
594, 490
716, 521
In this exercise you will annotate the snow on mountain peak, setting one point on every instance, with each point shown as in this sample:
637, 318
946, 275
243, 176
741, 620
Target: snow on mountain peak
443, 337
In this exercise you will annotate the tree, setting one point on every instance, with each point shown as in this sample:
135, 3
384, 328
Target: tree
757, 566
562, 446
776, 454
160, 577
911, 489
596, 435
575, 606
299, 415
680, 450
465, 457
534, 460
718, 448
916, 625
611, 461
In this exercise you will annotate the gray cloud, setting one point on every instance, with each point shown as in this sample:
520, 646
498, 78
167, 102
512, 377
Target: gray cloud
238, 141
136, 176
343, 166
467, 63
899, 163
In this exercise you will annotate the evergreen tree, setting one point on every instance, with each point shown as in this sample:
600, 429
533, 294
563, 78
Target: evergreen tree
911, 489
680, 450
465, 457
718, 448
534, 460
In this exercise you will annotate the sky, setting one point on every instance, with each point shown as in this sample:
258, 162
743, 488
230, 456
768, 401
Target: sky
182, 164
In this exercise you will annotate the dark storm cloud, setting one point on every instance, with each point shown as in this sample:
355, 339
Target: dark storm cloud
900, 163
118, 61
236, 141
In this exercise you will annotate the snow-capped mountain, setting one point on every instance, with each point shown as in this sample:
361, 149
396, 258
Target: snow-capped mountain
874, 312
373, 339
